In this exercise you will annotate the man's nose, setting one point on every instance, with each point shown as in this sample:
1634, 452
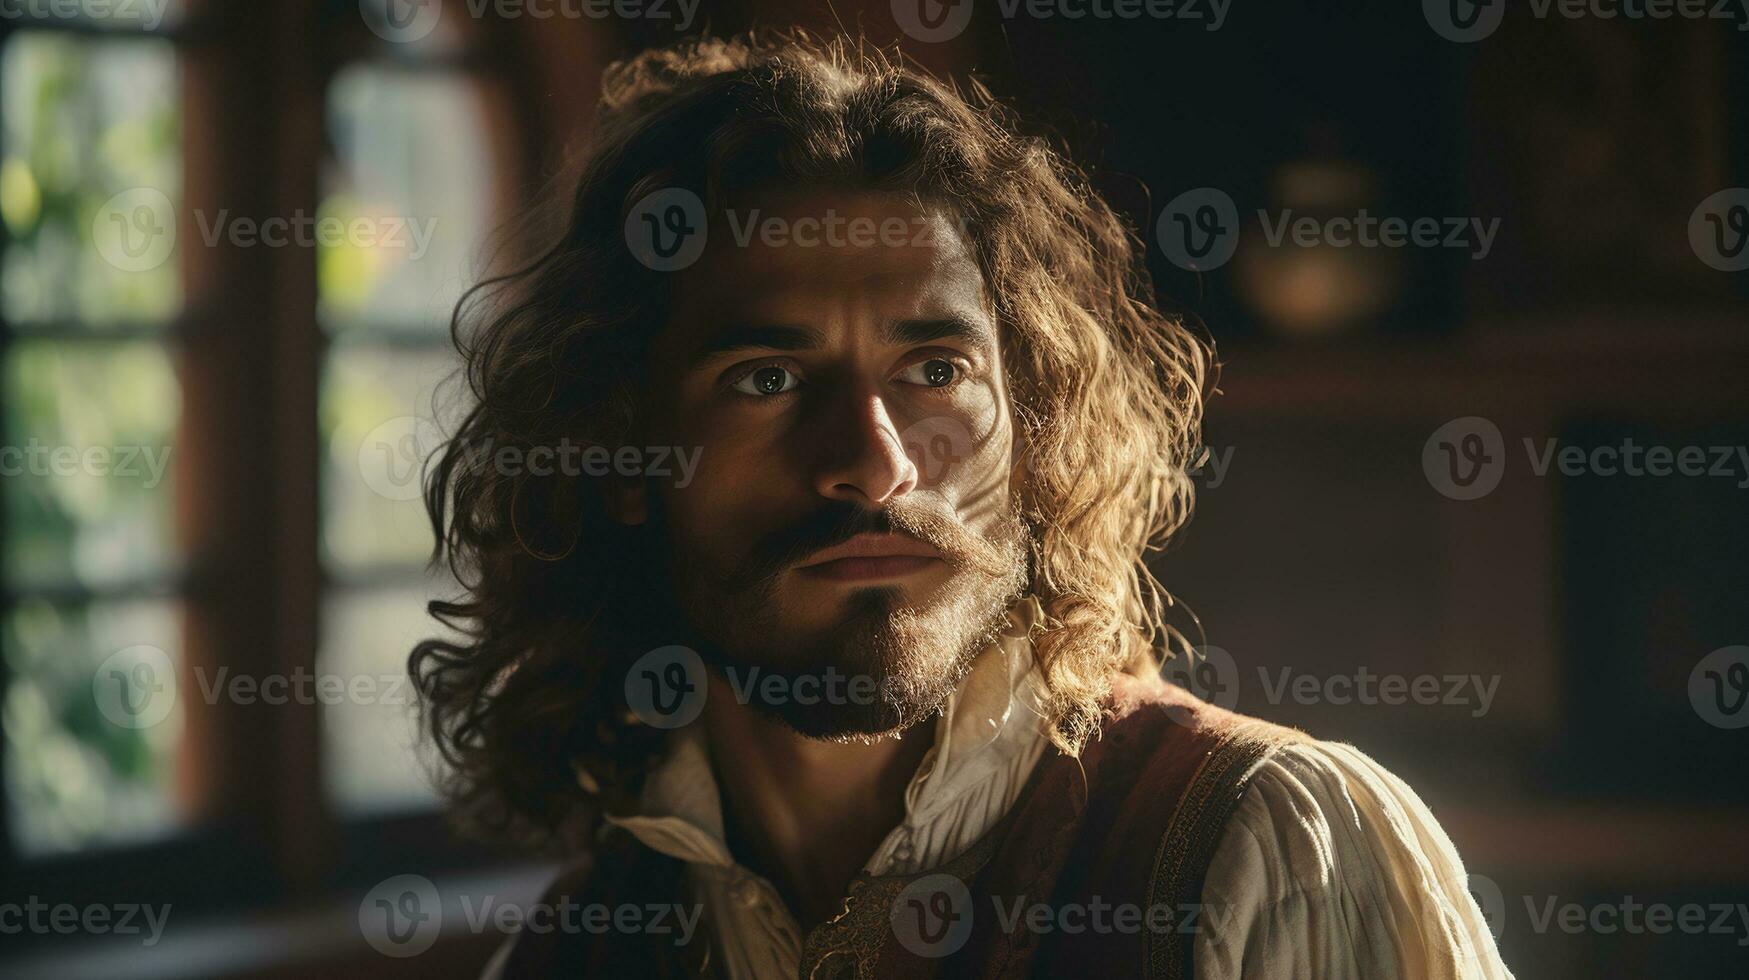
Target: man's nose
863, 458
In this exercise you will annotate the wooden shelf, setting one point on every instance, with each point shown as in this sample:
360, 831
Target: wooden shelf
1603, 840
1687, 367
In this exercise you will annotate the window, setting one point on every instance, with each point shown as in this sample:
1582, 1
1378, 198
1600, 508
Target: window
89, 184
225, 290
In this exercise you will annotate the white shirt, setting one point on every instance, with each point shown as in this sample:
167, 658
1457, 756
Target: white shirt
1331, 867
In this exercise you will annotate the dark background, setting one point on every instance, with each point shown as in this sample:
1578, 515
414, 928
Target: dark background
1589, 599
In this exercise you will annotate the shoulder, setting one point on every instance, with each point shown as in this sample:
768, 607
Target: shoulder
1332, 866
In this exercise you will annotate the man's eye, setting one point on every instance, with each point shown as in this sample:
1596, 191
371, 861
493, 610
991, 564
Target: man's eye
768, 380
936, 372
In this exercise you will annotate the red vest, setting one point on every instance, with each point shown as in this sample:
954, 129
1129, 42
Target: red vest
1096, 871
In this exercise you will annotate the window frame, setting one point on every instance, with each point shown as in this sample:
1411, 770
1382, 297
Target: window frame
249, 351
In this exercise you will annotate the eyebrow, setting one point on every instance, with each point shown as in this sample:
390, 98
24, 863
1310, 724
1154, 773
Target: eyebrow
737, 337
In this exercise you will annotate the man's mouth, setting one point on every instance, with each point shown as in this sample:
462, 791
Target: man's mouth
870, 556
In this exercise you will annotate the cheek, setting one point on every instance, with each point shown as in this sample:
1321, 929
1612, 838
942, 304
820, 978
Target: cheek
964, 450
728, 502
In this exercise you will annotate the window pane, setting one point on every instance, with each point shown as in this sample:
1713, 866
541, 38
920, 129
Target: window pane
87, 462
370, 733
93, 720
412, 188
377, 423
90, 179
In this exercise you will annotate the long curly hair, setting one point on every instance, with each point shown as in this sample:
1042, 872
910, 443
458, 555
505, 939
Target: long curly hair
526, 702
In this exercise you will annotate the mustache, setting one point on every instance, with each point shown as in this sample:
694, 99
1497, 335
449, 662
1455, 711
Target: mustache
839, 521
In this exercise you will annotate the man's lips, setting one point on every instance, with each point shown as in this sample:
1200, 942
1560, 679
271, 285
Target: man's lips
871, 556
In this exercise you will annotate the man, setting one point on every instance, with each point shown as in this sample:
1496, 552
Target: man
874, 688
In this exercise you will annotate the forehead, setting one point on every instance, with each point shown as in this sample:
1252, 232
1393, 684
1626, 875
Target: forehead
811, 255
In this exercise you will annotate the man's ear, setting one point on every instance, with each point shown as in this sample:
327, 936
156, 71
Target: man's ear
626, 499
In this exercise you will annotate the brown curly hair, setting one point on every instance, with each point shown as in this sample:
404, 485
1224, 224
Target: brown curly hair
1108, 396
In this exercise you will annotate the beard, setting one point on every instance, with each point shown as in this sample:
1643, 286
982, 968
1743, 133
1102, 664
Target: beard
892, 659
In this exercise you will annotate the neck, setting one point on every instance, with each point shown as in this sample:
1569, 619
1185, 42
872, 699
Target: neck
806, 813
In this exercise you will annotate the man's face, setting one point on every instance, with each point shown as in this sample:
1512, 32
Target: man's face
851, 511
